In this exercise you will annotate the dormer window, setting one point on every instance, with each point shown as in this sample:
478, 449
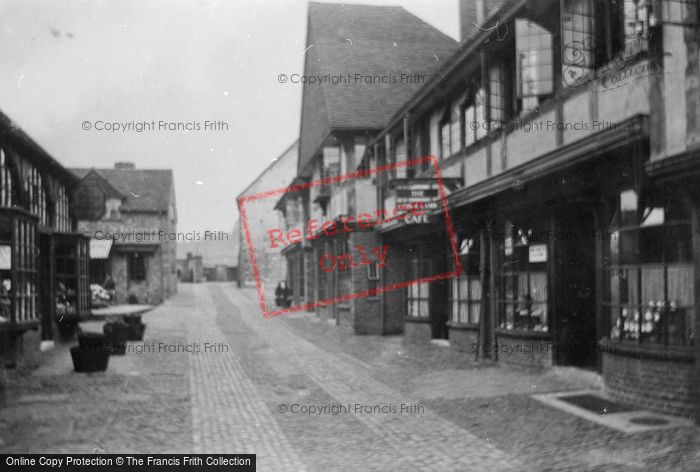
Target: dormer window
113, 206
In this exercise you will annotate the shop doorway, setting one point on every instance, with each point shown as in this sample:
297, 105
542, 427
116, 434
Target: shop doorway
46, 288
575, 287
438, 309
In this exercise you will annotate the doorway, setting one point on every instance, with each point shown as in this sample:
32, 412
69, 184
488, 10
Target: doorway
46, 285
575, 289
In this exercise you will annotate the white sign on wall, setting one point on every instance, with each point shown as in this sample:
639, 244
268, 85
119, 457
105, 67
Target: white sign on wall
5, 257
538, 253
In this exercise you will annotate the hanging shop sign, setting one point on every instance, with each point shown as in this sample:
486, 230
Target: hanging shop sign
424, 193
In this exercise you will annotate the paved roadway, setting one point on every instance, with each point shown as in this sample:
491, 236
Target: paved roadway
246, 394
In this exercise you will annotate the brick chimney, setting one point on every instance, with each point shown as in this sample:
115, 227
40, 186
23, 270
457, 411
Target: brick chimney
123, 165
476, 12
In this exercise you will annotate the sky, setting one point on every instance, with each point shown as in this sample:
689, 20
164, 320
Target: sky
71, 68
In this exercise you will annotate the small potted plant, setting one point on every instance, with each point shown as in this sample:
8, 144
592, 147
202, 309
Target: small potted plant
136, 327
91, 354
117, 333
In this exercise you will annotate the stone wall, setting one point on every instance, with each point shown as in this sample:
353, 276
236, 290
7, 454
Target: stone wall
655, 384
525, 350
161, 265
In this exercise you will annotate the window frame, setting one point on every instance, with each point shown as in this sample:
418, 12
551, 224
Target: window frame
639, 330
418, 293
470, 276
506, 269
141, 271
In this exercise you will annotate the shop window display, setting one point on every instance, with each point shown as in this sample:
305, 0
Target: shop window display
523, 287
18, 268
650, 273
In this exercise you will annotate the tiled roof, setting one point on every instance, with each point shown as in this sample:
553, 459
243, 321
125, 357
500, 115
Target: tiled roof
145, 189
11, 133
368, 40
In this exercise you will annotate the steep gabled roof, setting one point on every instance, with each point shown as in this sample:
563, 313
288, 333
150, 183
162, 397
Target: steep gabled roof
105, 186
344, 40
291, 153
146, 190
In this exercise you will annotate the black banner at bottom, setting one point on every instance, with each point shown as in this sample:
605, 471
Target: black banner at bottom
127, 462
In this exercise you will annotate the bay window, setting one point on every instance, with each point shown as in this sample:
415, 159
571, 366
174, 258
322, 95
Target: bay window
650, 273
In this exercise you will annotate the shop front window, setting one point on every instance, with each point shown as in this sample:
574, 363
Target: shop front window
650, 298
522, 295
419, 292
465, 294
63, 220
34, 187
71, 274
19, 274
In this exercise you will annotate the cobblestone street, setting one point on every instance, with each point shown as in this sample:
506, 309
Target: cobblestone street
245, 390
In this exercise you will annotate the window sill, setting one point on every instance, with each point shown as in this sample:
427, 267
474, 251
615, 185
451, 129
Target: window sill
648, 351
521, 333
463, 326
415, 319
9, 326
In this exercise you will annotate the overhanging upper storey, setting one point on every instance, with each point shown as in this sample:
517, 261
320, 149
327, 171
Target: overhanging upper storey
361, 64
